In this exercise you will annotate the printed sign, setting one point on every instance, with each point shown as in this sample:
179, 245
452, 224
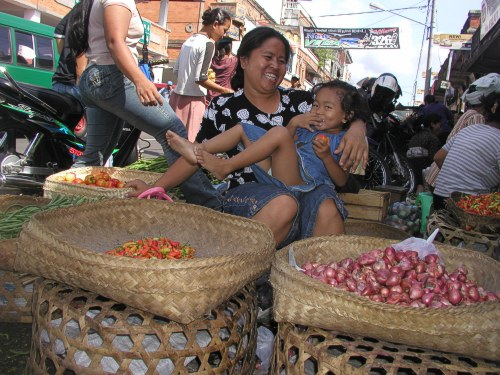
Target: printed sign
147, 32
453, 41
490, 13
364, 38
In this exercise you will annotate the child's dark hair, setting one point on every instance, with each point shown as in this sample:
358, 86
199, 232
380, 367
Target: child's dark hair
353, 102
250, 42
78, 26
210, 16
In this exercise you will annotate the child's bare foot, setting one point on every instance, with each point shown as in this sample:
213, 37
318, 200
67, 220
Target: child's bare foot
182, 146
212, 163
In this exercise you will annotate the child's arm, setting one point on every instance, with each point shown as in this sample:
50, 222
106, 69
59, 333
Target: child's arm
336, 173
304, 120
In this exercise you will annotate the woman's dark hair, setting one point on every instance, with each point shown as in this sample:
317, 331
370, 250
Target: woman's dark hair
78, 26
210, 16
250, 42
353, 102
224, 49
489, 102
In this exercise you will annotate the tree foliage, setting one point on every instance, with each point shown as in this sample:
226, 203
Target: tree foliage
324, 55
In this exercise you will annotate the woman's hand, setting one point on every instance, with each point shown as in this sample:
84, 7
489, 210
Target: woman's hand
139, 187
147, 92
354, 147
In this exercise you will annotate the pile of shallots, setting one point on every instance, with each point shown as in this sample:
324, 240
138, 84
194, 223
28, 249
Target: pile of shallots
401, 278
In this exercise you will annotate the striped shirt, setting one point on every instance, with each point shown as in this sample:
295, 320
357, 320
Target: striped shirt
472, 163
470, 117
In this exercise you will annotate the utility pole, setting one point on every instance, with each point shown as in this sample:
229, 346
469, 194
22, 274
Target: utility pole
428, 72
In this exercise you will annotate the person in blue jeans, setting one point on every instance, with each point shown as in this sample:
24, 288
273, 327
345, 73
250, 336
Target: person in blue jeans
114, 89
263, 56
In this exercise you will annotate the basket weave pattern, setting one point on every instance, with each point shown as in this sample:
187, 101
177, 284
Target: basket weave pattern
75, 331
53, 187
230, 252
469, 330
315, 351
373, 229
16, 289
480, 223
451, 234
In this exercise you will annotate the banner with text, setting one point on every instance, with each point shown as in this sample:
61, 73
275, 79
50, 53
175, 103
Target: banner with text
364, 38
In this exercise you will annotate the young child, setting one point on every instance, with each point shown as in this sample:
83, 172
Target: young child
297, 157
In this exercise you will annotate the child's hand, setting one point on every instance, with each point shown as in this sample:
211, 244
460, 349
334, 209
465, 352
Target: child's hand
321, 146
305, 120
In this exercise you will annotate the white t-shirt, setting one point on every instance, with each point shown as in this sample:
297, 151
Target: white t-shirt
98, 52
192, 65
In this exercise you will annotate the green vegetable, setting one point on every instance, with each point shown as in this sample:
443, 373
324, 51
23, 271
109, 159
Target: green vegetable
11, 221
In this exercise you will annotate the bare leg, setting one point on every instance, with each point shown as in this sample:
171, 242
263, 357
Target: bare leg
278, 215
328, 221
276, 143
182, 146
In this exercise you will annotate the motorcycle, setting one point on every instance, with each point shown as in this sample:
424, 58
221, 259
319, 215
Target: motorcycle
39, 134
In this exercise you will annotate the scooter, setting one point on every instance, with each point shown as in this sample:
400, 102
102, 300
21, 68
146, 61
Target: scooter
37, 134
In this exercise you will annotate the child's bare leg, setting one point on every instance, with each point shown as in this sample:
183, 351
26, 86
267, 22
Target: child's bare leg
276, 143
184, 147
328, 221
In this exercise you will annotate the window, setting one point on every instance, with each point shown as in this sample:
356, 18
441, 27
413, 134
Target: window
25, 49
289, 66
5, 51
44, 53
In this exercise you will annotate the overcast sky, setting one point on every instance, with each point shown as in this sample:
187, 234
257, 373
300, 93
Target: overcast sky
450, 18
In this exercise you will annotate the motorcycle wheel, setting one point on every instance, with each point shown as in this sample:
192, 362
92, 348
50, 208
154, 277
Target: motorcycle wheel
15, 138
377, 172
401, 173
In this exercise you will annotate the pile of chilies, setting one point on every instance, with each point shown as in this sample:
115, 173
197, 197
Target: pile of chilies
401, 278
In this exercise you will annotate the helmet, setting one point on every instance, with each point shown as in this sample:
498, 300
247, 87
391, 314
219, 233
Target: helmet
482, 87
389, 81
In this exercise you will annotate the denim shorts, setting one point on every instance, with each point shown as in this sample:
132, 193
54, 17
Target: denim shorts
247, 199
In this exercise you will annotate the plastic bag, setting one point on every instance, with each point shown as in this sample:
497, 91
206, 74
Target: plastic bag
265, 346
423, 247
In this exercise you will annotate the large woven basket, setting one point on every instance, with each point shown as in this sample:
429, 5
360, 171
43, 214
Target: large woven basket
16, 289
480, 223
373, 229
68, 246
470, 330
53, 185
315, 351
450, 233
80, 332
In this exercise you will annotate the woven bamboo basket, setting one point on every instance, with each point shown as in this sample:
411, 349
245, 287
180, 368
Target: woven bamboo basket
16, 289
373, 229
485, 224
470, 330
315, 351
451, 234
53, 185
80, 332
230, 252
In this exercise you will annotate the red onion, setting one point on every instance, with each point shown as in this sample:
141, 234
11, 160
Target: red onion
346, 263
405, 264
399, 255
333, 282
396, 289
473, 294
384, 292
366, 259
351, 284
454, 296
382, 275
431, 258
394, 279
329, 272
393, 298
427, 298
377, 298
416, 292
379, 265
420, 267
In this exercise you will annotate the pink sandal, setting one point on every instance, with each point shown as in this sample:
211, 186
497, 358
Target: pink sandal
155, 192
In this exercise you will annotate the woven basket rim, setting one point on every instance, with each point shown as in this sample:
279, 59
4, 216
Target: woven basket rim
281, 261
126, 262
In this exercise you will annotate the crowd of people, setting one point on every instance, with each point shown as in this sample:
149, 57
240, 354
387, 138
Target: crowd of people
288, 151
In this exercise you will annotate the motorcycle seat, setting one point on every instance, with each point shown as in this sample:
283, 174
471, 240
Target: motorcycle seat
69, 110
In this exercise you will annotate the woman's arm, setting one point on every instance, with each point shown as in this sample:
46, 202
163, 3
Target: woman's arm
211, 85
440, 156
116, 23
